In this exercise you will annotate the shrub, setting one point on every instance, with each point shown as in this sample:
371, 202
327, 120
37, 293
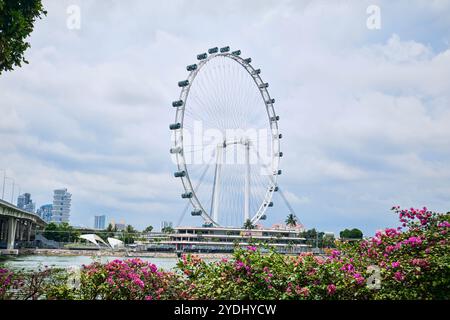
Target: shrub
410, 262
131, 279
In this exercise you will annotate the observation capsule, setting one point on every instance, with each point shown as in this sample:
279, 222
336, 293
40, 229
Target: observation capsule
201, 56
187, 195
183, 83
177, 103
175, 126
275, 118
236, 53
213, 50
225, 49
176, 150
191, 67
179, 174
196, 212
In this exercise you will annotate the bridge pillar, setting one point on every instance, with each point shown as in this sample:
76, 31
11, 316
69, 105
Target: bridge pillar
29, 227
22, 228
12, 227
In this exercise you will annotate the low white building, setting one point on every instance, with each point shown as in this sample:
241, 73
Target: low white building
223, 239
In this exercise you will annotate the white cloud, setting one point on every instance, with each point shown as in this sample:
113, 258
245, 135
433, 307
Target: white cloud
364, 113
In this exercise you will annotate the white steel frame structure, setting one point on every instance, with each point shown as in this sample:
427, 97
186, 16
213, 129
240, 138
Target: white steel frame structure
211, 213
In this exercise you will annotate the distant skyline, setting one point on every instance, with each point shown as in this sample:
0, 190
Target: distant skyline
364, 113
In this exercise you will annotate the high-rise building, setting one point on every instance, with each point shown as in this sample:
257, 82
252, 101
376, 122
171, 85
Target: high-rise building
100, 222
22, 199
61, 206
45, 212
24, 202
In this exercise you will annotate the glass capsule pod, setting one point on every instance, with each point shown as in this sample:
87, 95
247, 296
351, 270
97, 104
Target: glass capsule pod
177, 103
213, 50
183, 83
175, 126
179, 174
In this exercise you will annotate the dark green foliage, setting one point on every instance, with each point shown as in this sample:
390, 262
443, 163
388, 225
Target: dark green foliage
291, 220
248, 225
167, 229
148, 229
351, 234
61, 232
17, 19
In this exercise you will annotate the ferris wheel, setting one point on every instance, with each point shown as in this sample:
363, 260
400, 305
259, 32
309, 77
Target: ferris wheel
226, 140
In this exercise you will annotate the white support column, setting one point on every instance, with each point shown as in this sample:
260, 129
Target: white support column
247, 182
12, 227
216, 187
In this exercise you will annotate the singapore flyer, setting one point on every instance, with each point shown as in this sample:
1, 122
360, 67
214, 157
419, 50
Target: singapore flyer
226, 139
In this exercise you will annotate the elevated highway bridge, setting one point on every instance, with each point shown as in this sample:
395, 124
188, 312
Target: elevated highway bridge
17, 226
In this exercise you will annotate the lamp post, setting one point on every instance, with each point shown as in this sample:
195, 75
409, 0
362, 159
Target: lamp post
19, 187
4, 183
12, 193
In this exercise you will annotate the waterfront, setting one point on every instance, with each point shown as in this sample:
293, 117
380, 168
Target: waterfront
34, 262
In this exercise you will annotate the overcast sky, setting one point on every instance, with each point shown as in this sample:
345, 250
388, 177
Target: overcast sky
365, 113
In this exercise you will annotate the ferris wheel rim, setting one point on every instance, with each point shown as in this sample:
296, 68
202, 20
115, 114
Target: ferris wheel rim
179, 142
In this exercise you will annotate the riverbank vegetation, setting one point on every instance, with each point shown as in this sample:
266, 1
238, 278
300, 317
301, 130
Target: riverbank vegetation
408, 262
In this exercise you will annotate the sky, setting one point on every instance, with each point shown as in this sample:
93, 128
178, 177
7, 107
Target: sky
364, 112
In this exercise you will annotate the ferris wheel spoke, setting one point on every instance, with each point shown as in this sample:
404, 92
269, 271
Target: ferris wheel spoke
212, 106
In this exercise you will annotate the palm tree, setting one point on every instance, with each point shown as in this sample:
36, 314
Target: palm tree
167, 229
291, 220
248, 225
148, 229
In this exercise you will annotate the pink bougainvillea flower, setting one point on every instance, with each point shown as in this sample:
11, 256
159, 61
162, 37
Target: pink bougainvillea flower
335, 253
423, 263
444, 224
359, 278
302, 291
414, 241
331, 289
239, 265
399, 276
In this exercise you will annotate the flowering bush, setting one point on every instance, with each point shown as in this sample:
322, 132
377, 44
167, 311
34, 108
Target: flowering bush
409, 262
7, 283
131, 279
414, 259
30, 285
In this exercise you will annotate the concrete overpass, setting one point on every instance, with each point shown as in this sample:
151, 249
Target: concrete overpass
17, 225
